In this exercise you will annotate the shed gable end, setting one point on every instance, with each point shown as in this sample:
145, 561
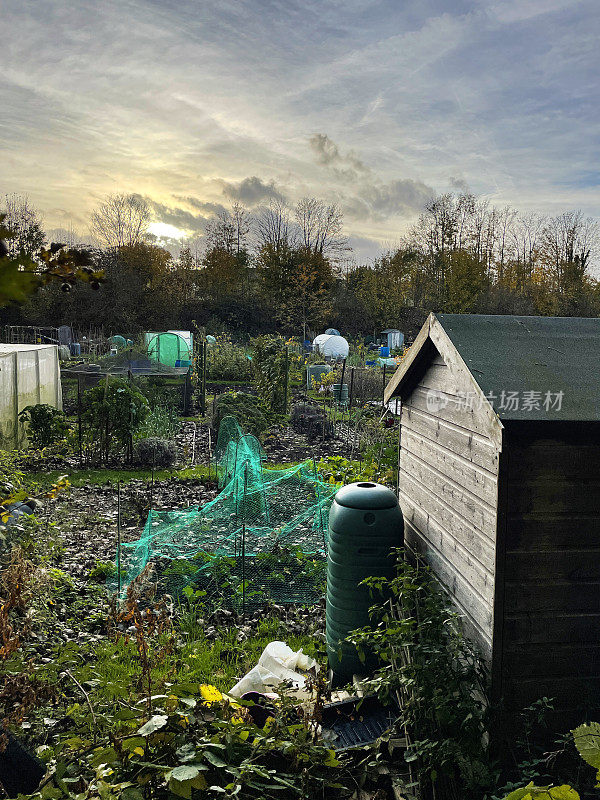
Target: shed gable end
448, 478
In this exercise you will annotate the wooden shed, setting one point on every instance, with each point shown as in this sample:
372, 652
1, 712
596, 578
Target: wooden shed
499, 476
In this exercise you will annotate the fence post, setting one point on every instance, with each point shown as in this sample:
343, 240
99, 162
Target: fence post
203, 379
286, 379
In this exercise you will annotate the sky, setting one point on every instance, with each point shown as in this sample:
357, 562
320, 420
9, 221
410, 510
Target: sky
375, 105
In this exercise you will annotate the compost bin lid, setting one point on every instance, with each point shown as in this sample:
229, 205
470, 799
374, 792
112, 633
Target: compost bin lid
366, 494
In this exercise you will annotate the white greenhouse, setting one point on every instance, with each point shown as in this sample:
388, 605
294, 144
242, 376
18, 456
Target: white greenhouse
29, 374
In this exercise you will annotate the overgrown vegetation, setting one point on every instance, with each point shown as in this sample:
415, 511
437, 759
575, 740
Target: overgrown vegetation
112, 411
247, 408
46, 425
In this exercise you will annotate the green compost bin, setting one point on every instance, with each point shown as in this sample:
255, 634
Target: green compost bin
365, 524
340, 392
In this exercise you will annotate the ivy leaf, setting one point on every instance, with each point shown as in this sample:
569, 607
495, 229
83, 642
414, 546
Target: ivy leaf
155, 723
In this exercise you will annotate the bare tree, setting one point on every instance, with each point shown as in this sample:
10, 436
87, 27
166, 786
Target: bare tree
272, 227
122, 219
221, 232
504, 220
241, 225
23, 221
527, 235
570, 241
321, 227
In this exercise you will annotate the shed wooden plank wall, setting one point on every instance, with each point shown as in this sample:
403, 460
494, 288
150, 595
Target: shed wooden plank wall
552, 567
448, 467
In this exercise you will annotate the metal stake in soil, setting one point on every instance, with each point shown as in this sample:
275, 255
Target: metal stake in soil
244, 544
119, 536
79, 436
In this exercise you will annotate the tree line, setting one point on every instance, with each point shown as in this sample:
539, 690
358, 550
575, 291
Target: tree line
286, 269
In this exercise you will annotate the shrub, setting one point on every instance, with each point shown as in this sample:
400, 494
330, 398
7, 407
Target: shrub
228, 362
156, 452
113, 412
46, 425
270, 366
311, 421
246, 408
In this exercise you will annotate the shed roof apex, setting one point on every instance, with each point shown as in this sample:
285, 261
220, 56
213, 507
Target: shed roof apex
551, 363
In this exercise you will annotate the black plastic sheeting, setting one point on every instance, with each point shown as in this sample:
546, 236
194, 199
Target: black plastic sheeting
356, 722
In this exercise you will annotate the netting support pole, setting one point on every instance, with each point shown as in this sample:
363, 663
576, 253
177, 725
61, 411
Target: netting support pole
79, 434
119, 536
318, 494
235, 469
244, 544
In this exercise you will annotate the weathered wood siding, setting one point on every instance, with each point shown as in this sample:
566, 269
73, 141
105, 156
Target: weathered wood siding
551, 636
448, 465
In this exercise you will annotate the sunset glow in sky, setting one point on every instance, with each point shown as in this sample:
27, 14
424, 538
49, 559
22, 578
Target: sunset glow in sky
372, 104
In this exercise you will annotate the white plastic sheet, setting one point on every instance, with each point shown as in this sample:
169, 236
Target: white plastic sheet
278, 664
29, 374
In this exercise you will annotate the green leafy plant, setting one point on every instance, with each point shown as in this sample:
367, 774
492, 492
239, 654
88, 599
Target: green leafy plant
227, 361
340, 471
437, 678
46, 425
101, 571
248, 410
112, 411
12, 488
161, 422
270, 366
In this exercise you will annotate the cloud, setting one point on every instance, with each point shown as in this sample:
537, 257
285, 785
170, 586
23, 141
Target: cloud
252, 191
385, 201
201, 205
179, 217
371, 198
460, 184
327, 153
364, 104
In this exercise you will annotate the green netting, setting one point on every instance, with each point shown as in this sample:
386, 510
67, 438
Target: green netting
263, 538
169, 349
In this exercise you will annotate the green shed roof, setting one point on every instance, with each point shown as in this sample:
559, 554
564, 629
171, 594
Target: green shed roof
551, 363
